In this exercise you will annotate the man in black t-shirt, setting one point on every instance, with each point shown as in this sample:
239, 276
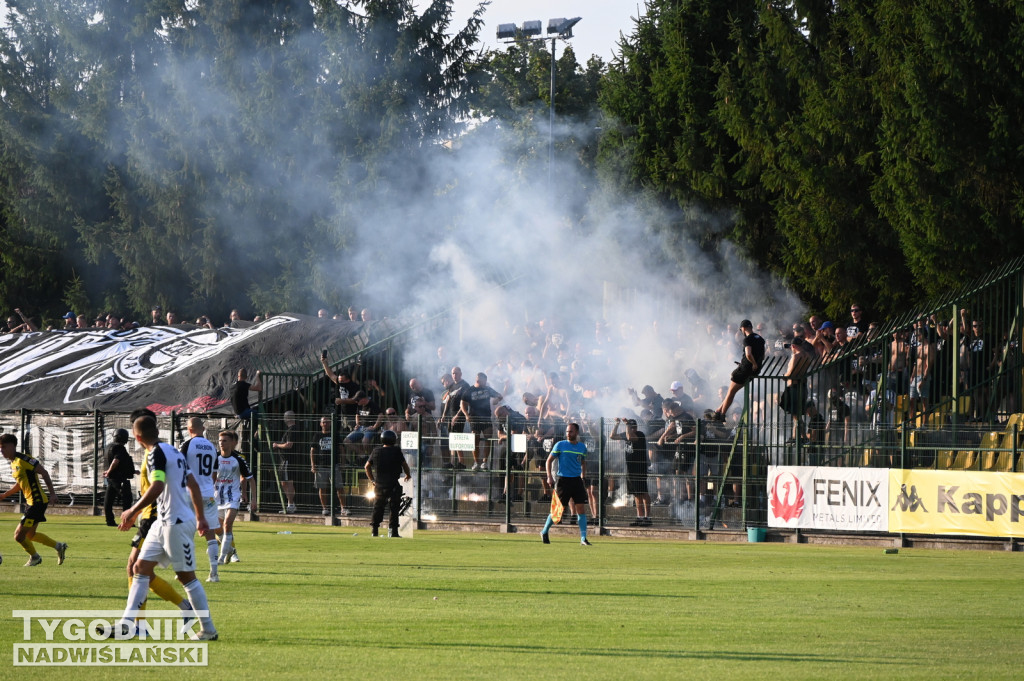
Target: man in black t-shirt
517, 425
240, 394
384, 468
477, 402
368, 419
635, 456
119, 474
345, 402
749, 366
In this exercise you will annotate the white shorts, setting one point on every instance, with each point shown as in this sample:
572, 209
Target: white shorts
228, 497
170, 545
210, 513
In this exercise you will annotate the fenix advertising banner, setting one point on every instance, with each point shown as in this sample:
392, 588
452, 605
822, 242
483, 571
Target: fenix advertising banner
957, 502
807, 497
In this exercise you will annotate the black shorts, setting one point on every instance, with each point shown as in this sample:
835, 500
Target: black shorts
480, 427
743, 373
793, 399
35, 514
636, 485
142, 529
571, 489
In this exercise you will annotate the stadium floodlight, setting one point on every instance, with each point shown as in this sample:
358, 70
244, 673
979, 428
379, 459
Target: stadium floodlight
506, 31
531, 28
562, 27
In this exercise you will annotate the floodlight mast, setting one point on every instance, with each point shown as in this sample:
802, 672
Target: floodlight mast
557, 28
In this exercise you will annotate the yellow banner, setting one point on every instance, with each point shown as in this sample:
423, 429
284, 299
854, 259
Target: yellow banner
956, 502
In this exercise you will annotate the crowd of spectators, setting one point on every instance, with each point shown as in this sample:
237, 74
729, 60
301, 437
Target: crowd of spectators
841, 379
845, 379
19, 323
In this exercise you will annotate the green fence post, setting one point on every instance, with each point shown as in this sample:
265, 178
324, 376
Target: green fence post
419, 471
697, 489
600, 478
96, 430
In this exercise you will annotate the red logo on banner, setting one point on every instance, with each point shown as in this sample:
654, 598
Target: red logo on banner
789, 503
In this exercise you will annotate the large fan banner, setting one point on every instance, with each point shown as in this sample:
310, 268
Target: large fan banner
165, 368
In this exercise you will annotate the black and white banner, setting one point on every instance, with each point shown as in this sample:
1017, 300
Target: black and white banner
165, 368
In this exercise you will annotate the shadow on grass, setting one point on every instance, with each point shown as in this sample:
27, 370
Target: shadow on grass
640, 653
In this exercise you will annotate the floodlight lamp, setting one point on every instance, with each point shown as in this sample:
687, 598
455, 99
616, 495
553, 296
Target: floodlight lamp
562, 26
506, 31
531, 28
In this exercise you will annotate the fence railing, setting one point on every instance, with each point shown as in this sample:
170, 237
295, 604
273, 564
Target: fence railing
714, 482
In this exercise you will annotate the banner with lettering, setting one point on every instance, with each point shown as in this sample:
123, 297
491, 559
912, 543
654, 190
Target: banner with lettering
956, 502
809, 497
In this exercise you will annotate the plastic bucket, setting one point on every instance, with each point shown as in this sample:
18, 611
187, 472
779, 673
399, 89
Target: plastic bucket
756, 534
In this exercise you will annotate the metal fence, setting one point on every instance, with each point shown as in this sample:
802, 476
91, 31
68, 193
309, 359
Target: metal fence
716, 482
942, 378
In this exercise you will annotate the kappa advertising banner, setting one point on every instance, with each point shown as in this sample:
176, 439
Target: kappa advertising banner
165, 368
957, 502
808, 497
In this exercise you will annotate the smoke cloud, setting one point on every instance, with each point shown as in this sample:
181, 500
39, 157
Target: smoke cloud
529, 258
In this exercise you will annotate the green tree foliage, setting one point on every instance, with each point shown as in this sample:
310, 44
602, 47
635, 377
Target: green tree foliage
212, 155
869, 149
510, 101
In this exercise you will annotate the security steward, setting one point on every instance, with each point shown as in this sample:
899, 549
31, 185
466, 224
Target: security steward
384, 469
119, 474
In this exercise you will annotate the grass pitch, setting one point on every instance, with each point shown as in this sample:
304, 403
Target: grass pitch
334, 603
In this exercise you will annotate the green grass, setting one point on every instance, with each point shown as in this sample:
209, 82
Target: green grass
327, 603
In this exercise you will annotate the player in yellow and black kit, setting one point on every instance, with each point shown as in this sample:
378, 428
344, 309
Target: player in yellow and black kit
27, 472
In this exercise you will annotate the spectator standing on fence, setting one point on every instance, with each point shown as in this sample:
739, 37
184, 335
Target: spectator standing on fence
635, 443
794, 398
27, 474
384, 469
285, 449
201, 455
517, 425
749, 366
982, 362
320, 464
477, 403
922, 368
456, 394
345, 402
899, 359
119, 473
368, 419
570, 455
426, 405
240, 390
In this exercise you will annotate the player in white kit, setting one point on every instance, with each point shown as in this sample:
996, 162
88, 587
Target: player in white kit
201, 455
234, 482
170, 539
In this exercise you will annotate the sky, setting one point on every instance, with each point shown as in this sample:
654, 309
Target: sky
598, 32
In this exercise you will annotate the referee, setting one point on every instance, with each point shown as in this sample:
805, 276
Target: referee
571, 455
